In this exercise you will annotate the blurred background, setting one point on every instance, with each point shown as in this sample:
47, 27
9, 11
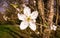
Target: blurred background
9, 21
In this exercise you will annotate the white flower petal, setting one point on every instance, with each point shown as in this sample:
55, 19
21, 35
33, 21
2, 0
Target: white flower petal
21, 17
23, 25
34, 15
27, 11
34, 20
32, 26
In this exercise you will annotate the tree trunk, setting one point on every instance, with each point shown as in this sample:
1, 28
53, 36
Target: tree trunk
51, 12
41, 10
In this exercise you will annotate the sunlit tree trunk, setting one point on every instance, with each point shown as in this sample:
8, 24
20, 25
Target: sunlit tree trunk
51, 12
41, 9
50, 17
41, 12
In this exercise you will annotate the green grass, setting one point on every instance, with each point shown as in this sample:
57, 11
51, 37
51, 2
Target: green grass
9, 31
13, 31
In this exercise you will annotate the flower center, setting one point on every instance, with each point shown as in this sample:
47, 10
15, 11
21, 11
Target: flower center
28, 19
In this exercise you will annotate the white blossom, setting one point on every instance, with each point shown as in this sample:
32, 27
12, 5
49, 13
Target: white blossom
53, 27
28, 19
